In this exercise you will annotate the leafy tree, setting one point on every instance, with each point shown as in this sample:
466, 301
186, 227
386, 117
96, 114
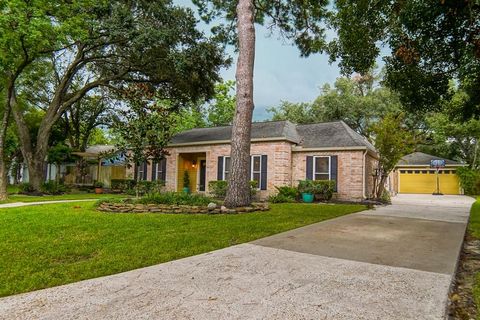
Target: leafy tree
298, 21
392, 141
431, 43
221, 110
115, 43
58, 155
356, 101
454, 137
144, 128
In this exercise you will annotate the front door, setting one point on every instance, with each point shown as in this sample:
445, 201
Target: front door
202, 175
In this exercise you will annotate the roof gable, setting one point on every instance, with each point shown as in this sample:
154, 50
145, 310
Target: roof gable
423, 159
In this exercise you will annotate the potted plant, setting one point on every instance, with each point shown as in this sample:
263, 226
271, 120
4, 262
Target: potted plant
306, 188
186, 182
98, 187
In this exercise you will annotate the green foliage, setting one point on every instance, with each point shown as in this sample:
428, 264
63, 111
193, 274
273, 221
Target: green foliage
25, 188
469, 180
53, 188
98, 184
356, 101
222, 109
284, 194
144, 187
323, 189
175, 198
218, 188
306, 186
60, 153
122, 185
422, 36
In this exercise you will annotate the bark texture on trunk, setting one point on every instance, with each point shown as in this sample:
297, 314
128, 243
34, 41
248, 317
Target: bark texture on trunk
238, 192
3, 165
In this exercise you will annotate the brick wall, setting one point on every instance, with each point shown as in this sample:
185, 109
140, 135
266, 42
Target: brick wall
350, 172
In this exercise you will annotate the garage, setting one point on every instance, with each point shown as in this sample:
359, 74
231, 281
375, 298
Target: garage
414, 175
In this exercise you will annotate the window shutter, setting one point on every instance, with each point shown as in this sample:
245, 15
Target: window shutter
163, 163
309, 168
220, 169
263, 180
154, 171
334, 170
145, 170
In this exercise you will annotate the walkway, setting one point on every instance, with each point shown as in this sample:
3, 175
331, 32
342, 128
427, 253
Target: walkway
24, 204
395, 262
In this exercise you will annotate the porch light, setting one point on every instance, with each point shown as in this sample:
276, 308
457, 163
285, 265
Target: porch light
194, 163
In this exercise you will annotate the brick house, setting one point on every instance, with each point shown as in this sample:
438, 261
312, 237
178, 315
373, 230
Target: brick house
282, 153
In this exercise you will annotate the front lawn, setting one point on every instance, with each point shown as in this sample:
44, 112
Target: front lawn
54, 244
68, 196
474, 230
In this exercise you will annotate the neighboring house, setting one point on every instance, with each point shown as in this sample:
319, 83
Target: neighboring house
282, 153
413, 174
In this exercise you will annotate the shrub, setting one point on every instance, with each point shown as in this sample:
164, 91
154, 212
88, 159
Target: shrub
176, 198
218, 188
285, 194
25, 188
306, 186
323, 189
109, 200
53, 187
469, 180
186, 179
98, 184
122, 184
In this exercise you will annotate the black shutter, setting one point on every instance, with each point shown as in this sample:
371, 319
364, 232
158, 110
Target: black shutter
250, 168
163, 163
154, 170
309, 168
263, 176
334, 170
145, 170
135, 172
220, 169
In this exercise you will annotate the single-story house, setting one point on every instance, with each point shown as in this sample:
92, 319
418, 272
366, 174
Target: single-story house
282, 154
414, 174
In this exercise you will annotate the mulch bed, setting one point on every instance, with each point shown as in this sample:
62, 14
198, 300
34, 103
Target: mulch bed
462, 306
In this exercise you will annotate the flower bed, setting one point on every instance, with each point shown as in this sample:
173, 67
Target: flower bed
212, 208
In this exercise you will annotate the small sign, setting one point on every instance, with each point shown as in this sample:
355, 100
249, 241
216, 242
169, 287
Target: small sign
437, 163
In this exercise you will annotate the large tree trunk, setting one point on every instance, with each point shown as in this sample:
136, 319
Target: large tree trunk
238, 192
3, 165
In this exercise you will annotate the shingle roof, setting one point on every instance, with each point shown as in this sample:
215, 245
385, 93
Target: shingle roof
318, 135
260, 130
331, 134
422, 159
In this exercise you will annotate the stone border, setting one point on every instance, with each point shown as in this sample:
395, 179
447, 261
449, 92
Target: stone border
212, 208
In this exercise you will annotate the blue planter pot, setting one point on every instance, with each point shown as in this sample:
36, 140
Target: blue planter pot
307, 197
186, 190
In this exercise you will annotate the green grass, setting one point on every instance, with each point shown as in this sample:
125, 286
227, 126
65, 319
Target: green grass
69, 196
474, 230
54, 244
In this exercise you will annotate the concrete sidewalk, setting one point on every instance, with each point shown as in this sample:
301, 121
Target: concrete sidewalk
395, 262
24, 204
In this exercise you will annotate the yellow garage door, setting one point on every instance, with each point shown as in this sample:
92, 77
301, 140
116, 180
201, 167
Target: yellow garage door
424, 181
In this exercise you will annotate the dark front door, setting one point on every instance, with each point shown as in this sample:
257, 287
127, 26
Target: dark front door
203, 170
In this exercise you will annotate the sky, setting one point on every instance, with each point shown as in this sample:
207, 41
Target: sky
280, 73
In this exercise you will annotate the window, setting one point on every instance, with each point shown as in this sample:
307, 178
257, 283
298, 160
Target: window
226, 167
321, 168
141, 171
256, 169
417, 171
158, 170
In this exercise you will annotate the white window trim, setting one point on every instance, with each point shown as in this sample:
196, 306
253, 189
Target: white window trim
259, 172
329, 167
224, 166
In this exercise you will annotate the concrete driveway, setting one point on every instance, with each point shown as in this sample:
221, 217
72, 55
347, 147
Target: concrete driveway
394, 262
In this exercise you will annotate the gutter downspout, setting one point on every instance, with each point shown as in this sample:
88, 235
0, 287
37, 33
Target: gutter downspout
364, 174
